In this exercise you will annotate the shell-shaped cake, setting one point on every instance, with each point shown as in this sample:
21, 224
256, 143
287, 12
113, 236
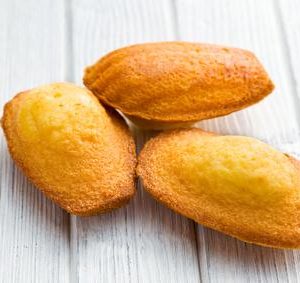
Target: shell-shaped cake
79, 154
234, 184
175, 84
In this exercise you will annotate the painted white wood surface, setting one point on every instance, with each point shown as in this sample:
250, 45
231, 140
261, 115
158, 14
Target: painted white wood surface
44, 41
252, 25
288, 16
34, 233
143, 242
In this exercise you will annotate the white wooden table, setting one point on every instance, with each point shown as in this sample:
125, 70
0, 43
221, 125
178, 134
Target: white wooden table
52, 40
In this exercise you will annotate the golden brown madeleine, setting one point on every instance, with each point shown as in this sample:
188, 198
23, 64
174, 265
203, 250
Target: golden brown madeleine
79, 154
175, 84
234, 184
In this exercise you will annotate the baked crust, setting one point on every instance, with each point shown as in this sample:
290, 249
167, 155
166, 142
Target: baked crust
166, 83
251, 193
81, 155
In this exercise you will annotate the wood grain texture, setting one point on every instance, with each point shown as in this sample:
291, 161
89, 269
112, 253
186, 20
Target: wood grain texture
34, 233
44, 41
287, 13
252, 25
143, 242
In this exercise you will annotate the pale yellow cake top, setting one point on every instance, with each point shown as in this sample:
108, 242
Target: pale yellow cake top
234, 184
77, 152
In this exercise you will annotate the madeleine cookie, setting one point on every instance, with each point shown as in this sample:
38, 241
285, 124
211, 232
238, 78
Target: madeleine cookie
79, 154
234, 184
175, 84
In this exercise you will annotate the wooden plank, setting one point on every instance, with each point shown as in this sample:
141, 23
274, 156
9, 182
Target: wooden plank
252, 25
143, 242
34, 233
288, 14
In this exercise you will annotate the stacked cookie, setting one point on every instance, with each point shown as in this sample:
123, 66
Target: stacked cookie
79, 151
